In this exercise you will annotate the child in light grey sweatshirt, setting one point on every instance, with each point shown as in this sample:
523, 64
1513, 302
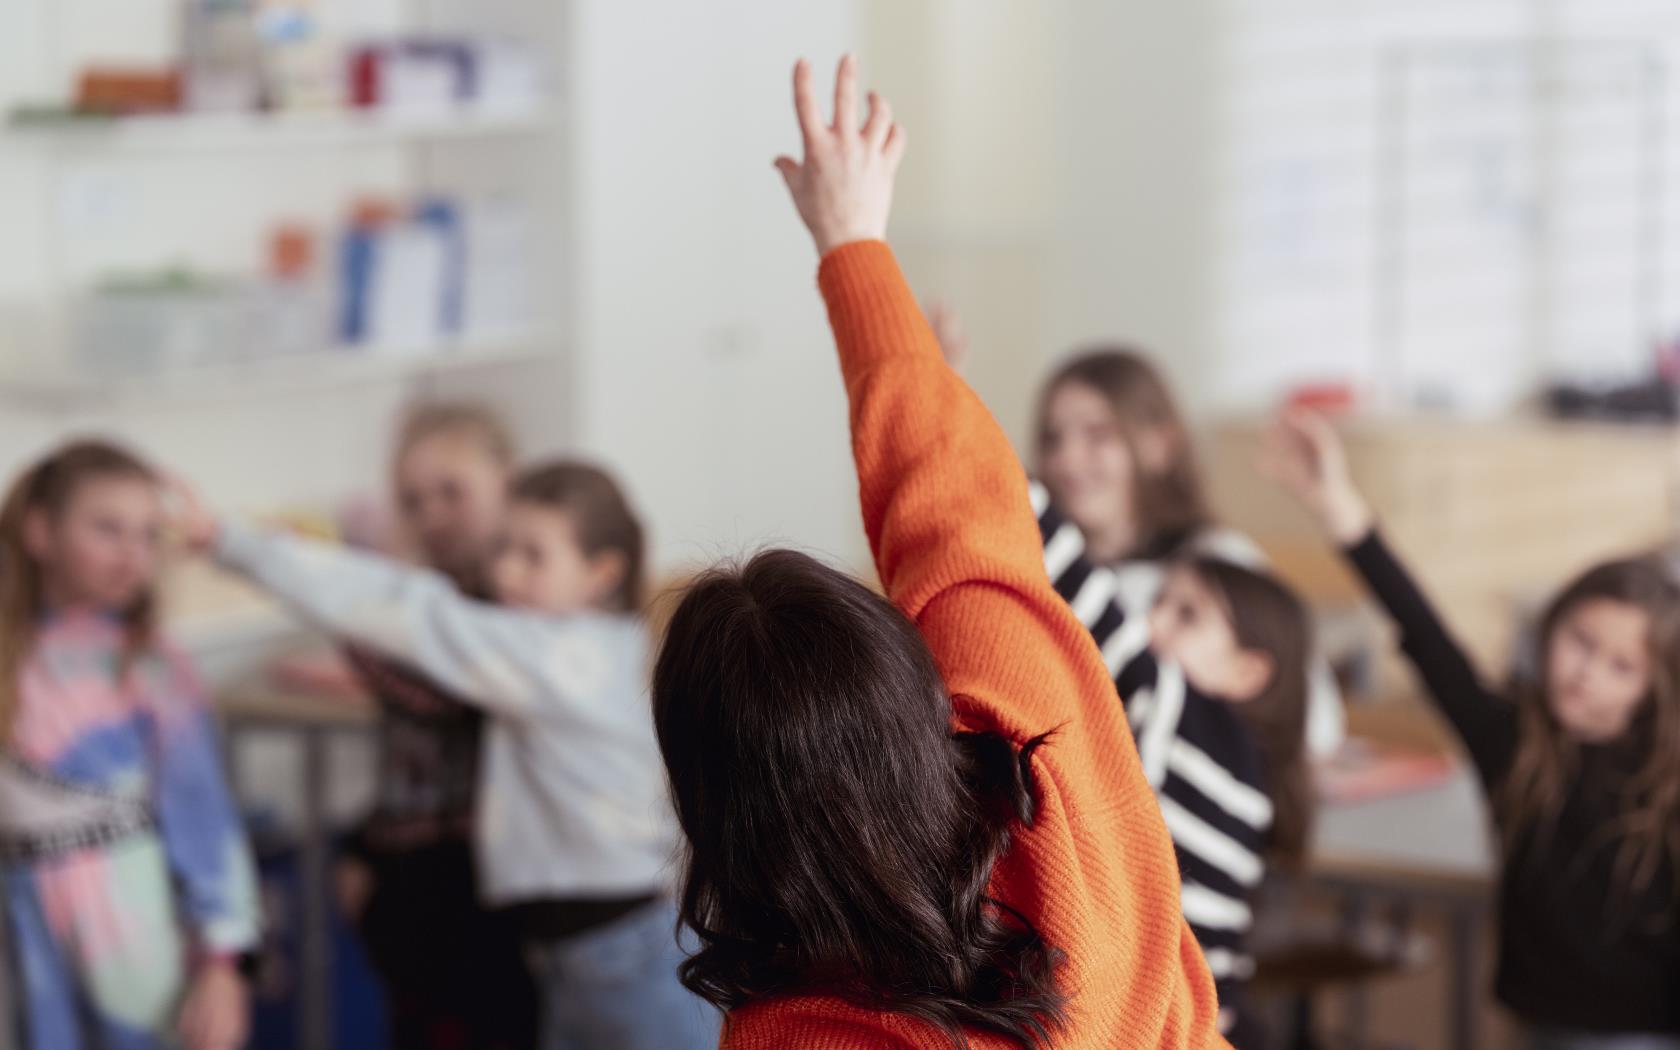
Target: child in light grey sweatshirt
574, 829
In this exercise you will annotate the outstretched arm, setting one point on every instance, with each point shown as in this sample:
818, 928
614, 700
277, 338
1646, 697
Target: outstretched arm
943, 494
1304, 455
956, 545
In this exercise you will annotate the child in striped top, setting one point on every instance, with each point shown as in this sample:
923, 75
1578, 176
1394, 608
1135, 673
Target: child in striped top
1214, 682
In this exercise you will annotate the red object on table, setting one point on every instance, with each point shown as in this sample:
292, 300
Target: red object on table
1364, 769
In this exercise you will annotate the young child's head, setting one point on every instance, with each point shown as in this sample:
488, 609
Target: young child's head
1116, 456
82, 528
451, 472
840, 835
1609, 668
1609, 647
571, 542
1241, 636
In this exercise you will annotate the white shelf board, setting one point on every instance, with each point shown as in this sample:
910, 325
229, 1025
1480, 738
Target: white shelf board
330, 369
305, 129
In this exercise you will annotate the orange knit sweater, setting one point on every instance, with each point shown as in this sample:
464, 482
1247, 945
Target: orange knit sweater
945, 506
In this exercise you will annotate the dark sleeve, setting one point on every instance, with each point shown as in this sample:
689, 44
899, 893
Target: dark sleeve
1481, 718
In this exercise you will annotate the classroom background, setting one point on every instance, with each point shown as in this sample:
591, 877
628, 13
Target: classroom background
245, 235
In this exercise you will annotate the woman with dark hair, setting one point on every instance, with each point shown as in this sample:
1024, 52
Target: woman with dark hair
919, 820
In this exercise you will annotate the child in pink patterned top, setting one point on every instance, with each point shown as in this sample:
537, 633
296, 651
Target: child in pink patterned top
127, 883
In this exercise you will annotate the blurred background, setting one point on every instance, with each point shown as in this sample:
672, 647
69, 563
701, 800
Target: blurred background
245, 235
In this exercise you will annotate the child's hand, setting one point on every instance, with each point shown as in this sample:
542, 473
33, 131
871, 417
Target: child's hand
216, 1014
948, 329
196, 524
843, 188
1303, 454
353, 886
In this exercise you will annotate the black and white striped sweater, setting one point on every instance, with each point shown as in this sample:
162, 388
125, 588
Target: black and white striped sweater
1197, 753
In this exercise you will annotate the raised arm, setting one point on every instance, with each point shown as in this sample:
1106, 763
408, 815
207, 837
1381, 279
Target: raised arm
943, 494
1305, 456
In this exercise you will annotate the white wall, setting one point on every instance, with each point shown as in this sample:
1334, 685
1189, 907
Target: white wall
1052, 193
705, 371
1058, 185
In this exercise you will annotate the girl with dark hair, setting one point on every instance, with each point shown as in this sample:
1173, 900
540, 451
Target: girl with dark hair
1579, 761
916, 820
128, 887
1214, 681
574, 832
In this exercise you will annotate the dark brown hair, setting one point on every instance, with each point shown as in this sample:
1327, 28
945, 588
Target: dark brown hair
840, 836
1547, 758
599, 511
467, 419
1266, 616
48, 487
1170, 504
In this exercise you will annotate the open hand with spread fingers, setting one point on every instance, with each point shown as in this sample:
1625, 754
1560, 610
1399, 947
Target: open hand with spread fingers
843, 186
1304, 455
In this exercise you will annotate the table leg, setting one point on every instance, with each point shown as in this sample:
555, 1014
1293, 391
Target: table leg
1355, 911
315, 947
1463, 972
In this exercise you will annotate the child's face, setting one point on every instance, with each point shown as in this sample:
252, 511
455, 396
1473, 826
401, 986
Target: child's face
102, 548
1189, 627
541, 566
1087, 463
453, 495
1598, 668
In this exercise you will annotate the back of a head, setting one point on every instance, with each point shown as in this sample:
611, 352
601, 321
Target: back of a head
841, 837
1268, 617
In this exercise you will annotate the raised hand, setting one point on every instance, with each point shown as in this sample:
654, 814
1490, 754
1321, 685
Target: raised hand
843, 186
948, 329
196, 524
1304, 455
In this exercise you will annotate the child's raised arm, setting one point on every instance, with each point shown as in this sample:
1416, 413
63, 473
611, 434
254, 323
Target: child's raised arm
1304, 455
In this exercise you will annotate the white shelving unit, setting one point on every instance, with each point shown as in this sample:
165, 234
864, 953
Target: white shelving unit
66, 389
422, 135
307, 129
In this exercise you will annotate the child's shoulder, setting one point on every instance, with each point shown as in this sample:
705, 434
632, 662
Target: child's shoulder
1215, 728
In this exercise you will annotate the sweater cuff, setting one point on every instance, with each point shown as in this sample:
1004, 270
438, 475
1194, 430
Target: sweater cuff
871, 308
1367, 548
